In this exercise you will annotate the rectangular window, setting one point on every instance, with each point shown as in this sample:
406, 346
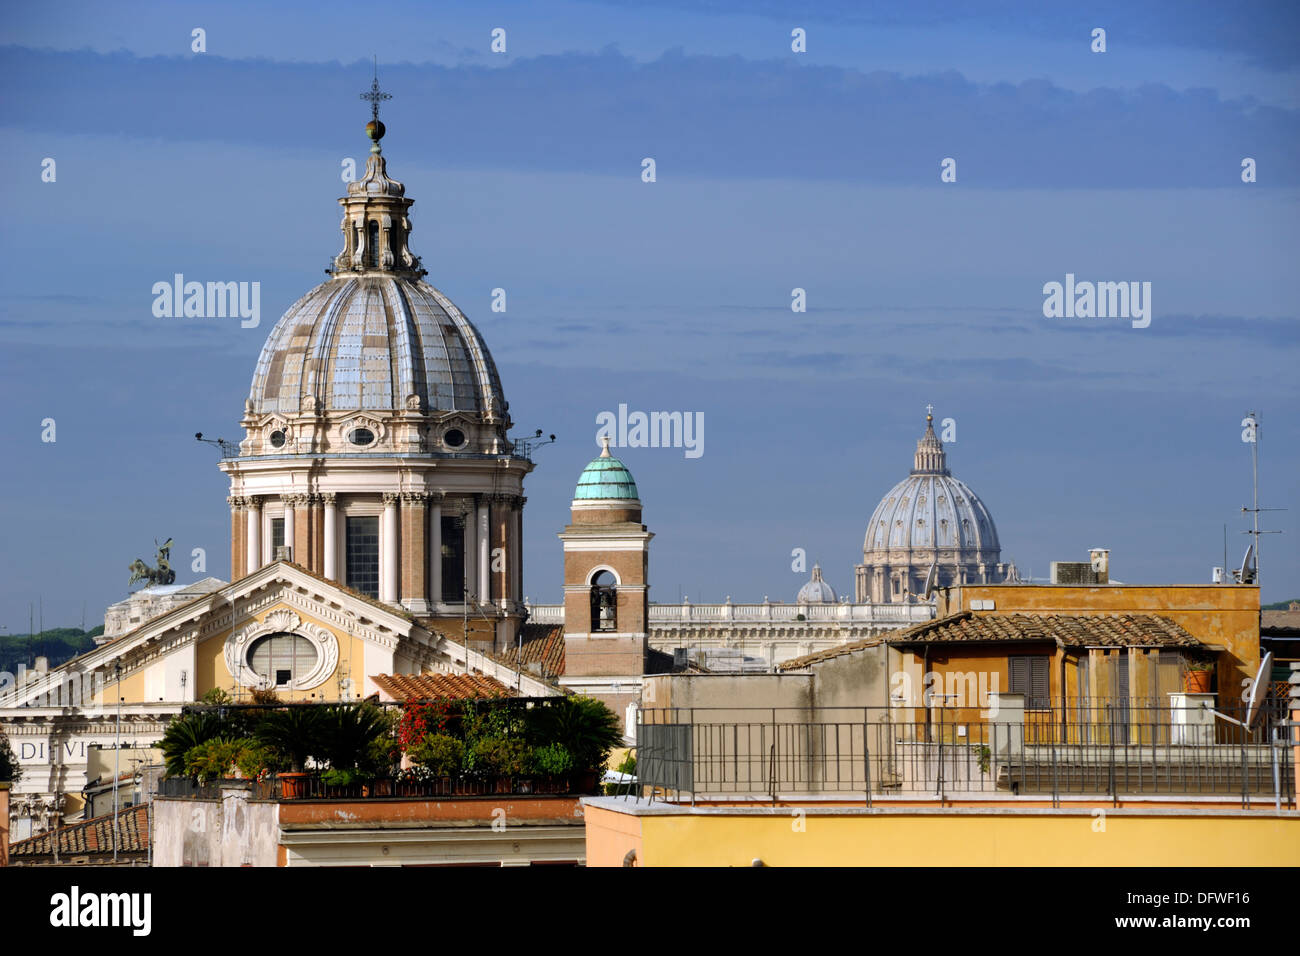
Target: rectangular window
1029, 676
277, 536
453, 559
363, 554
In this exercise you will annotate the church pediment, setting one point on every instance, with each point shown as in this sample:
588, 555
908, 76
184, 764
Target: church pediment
208, 642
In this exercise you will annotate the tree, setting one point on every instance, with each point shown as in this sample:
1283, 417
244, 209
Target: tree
297, 732
10, 771
584, 726
186, 732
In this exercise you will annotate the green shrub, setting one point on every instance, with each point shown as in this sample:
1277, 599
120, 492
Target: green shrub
551, 760
583, 725
183, 734
441, 754
506, 756
345, 778
212, 758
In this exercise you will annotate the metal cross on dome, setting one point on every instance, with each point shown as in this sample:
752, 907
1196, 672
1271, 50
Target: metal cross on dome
375, 95
929, 411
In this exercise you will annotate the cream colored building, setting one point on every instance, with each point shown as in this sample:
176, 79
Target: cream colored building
376, 518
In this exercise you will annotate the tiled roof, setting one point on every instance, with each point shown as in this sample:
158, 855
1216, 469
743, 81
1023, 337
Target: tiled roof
798, 663
93, 836
440, 686
1280, 623
1065, 630
543, 651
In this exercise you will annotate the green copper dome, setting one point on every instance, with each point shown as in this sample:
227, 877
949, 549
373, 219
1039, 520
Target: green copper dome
606, 477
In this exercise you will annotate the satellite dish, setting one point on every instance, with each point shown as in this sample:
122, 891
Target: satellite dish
932, 578
1256, 699
1246, 574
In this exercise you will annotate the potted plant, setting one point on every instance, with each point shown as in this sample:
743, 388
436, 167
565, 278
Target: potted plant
295, 732
586, 728
1198, 673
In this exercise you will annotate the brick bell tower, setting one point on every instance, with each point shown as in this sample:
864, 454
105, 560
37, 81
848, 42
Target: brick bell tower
606, 564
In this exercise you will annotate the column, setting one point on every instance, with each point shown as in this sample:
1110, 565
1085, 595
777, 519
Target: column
331, 565
502, 568
415, 567
317, 524
484, 547
237, 546
302, 531
517, 595
470, 548
253, 533
388, 553
290, 523
435, 548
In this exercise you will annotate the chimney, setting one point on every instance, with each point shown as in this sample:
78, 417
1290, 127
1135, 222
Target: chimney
1100, 558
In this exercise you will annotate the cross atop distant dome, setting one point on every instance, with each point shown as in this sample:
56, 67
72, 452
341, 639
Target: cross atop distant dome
930, 457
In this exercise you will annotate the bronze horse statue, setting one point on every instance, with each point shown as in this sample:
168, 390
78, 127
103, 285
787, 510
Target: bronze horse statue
163, 574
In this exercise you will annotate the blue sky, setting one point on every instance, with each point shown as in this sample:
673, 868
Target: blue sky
775, 170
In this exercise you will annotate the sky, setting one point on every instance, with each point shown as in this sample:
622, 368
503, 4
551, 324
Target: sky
775, 170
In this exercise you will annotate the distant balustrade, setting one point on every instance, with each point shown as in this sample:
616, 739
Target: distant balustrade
688, 613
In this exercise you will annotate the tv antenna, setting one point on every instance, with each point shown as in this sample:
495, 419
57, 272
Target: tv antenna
1250, 435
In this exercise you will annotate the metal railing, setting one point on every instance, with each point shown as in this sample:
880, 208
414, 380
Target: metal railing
314, 787
862, 753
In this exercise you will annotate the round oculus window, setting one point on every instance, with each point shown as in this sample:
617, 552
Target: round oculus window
454, 438
277, 439
361, 436
281, 659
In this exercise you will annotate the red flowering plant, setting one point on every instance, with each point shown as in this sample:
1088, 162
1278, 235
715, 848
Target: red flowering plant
418, 720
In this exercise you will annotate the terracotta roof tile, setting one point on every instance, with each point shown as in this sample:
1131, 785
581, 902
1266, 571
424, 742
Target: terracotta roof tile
1066, 630
440, 686
543, 651
93, 836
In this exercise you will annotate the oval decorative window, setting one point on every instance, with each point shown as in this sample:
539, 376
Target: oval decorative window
361, 436
282, 659
277, 439
453, 438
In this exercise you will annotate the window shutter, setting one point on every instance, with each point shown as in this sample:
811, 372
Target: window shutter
1040, 687
1018, 668
1029, 676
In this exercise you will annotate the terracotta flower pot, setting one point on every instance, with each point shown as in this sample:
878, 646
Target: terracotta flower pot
293, 786
1197, 682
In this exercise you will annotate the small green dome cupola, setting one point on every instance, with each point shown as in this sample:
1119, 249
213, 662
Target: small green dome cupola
606, 478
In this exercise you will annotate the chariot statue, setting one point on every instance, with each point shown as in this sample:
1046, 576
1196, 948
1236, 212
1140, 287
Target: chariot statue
162, 574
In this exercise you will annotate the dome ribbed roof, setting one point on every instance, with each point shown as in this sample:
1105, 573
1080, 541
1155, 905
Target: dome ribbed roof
928, 512
816, 591
605, 478
370, 342
931, 510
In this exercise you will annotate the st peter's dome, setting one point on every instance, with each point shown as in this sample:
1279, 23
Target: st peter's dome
929, 517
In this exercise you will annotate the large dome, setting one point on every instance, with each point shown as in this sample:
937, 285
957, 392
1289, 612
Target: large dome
370, 342
929, 512
928, 519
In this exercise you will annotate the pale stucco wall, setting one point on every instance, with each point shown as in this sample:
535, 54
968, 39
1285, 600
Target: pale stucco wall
233, 831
